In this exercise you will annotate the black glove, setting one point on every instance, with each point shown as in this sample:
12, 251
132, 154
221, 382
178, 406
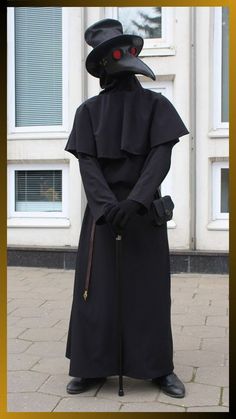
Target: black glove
118, 214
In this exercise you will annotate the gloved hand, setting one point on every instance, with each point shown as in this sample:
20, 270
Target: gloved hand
119, 213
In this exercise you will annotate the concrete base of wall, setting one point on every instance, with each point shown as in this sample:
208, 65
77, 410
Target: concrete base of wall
198, 261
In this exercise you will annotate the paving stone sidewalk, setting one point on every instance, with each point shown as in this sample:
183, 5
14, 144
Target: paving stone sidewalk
39, 303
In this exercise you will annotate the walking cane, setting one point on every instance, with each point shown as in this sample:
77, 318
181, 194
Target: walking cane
118, 277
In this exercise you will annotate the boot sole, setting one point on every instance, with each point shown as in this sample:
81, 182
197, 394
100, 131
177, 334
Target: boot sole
173, 395
82, 390
77, 391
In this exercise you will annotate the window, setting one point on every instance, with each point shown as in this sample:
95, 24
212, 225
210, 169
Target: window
221, 68
36, 69
154, 24
220, 190
37, 190
144, 21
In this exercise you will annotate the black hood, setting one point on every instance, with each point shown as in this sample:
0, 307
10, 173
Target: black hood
123, 81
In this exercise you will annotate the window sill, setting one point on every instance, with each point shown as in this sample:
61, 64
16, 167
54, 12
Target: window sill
218, 225
158, 51
171, 224
38, 223
38, 136
219, 133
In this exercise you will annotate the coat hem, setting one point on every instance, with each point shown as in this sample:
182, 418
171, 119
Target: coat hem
158, 373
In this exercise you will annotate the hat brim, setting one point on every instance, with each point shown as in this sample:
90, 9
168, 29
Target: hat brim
92, 61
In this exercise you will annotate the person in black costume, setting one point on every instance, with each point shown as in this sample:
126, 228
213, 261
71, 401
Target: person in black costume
123, 139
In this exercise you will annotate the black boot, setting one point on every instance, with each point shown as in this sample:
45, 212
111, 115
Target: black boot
171, 385
79, 384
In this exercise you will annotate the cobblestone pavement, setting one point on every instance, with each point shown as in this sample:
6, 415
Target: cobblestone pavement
39, 303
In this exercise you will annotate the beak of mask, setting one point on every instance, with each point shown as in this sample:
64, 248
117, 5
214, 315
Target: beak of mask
124, 59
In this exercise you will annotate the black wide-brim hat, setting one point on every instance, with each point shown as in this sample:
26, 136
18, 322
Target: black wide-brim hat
104, 35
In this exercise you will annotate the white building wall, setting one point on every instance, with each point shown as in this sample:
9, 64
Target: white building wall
173, 75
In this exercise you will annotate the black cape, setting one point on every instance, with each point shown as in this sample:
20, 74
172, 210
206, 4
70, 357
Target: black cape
127, 118
123, 139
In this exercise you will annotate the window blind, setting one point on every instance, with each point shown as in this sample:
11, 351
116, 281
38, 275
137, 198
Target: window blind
38, 66
38, 190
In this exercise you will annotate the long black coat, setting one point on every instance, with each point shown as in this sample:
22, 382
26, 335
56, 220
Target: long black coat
123, 139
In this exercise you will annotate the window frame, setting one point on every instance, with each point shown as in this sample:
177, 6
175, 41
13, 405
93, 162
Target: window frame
35, 129
216, 214
217, 72
12, 167
155, 46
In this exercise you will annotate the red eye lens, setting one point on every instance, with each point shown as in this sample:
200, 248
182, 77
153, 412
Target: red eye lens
116, 54
133, 50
